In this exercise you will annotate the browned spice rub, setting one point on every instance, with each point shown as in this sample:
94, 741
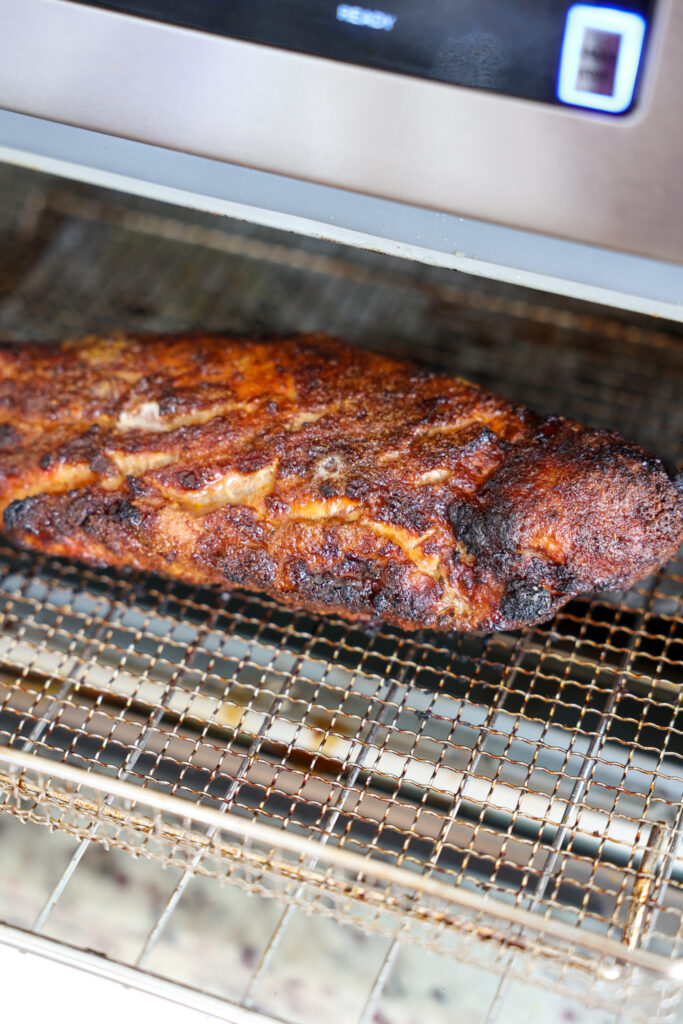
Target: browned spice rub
332, 478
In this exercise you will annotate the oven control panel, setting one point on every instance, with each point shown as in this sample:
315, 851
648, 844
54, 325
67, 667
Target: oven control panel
582, 55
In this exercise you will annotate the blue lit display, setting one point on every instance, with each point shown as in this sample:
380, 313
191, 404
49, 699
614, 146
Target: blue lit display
601, 52
365, 18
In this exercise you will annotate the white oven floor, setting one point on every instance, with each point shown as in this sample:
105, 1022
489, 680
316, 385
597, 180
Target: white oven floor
214, 942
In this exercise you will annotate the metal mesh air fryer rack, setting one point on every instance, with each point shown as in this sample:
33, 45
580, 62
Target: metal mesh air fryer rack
512, 800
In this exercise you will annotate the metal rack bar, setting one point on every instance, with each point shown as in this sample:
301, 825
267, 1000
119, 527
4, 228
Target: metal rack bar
122, 774
644, 883
337, 810
667, 865
571, 810
175, 896
367, 1012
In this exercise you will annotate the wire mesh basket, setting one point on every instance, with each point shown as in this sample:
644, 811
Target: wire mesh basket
513, 801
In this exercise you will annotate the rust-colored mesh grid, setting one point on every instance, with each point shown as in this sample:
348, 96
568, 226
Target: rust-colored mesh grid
543, 769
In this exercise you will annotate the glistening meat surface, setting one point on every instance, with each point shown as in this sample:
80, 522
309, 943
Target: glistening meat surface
330, 477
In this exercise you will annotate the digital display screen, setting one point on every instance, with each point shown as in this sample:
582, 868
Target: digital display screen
601, 55
551, 51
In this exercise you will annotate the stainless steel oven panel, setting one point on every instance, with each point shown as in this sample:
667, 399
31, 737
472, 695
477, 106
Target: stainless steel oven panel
474, 247
565, 172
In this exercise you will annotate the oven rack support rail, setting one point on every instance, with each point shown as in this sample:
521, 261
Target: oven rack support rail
28, 778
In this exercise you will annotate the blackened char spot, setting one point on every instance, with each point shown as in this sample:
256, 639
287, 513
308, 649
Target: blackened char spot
359, 568
484, 532
128, 514
393, 597
136, 487
17, 515
190, 480
479, 439
396, 601
525, 602
358, 488
562, 579
331, 589
9, 437
249, 566
407, 510
168, 404
82, 510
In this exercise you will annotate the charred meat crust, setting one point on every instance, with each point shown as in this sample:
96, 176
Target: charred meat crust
332, 478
